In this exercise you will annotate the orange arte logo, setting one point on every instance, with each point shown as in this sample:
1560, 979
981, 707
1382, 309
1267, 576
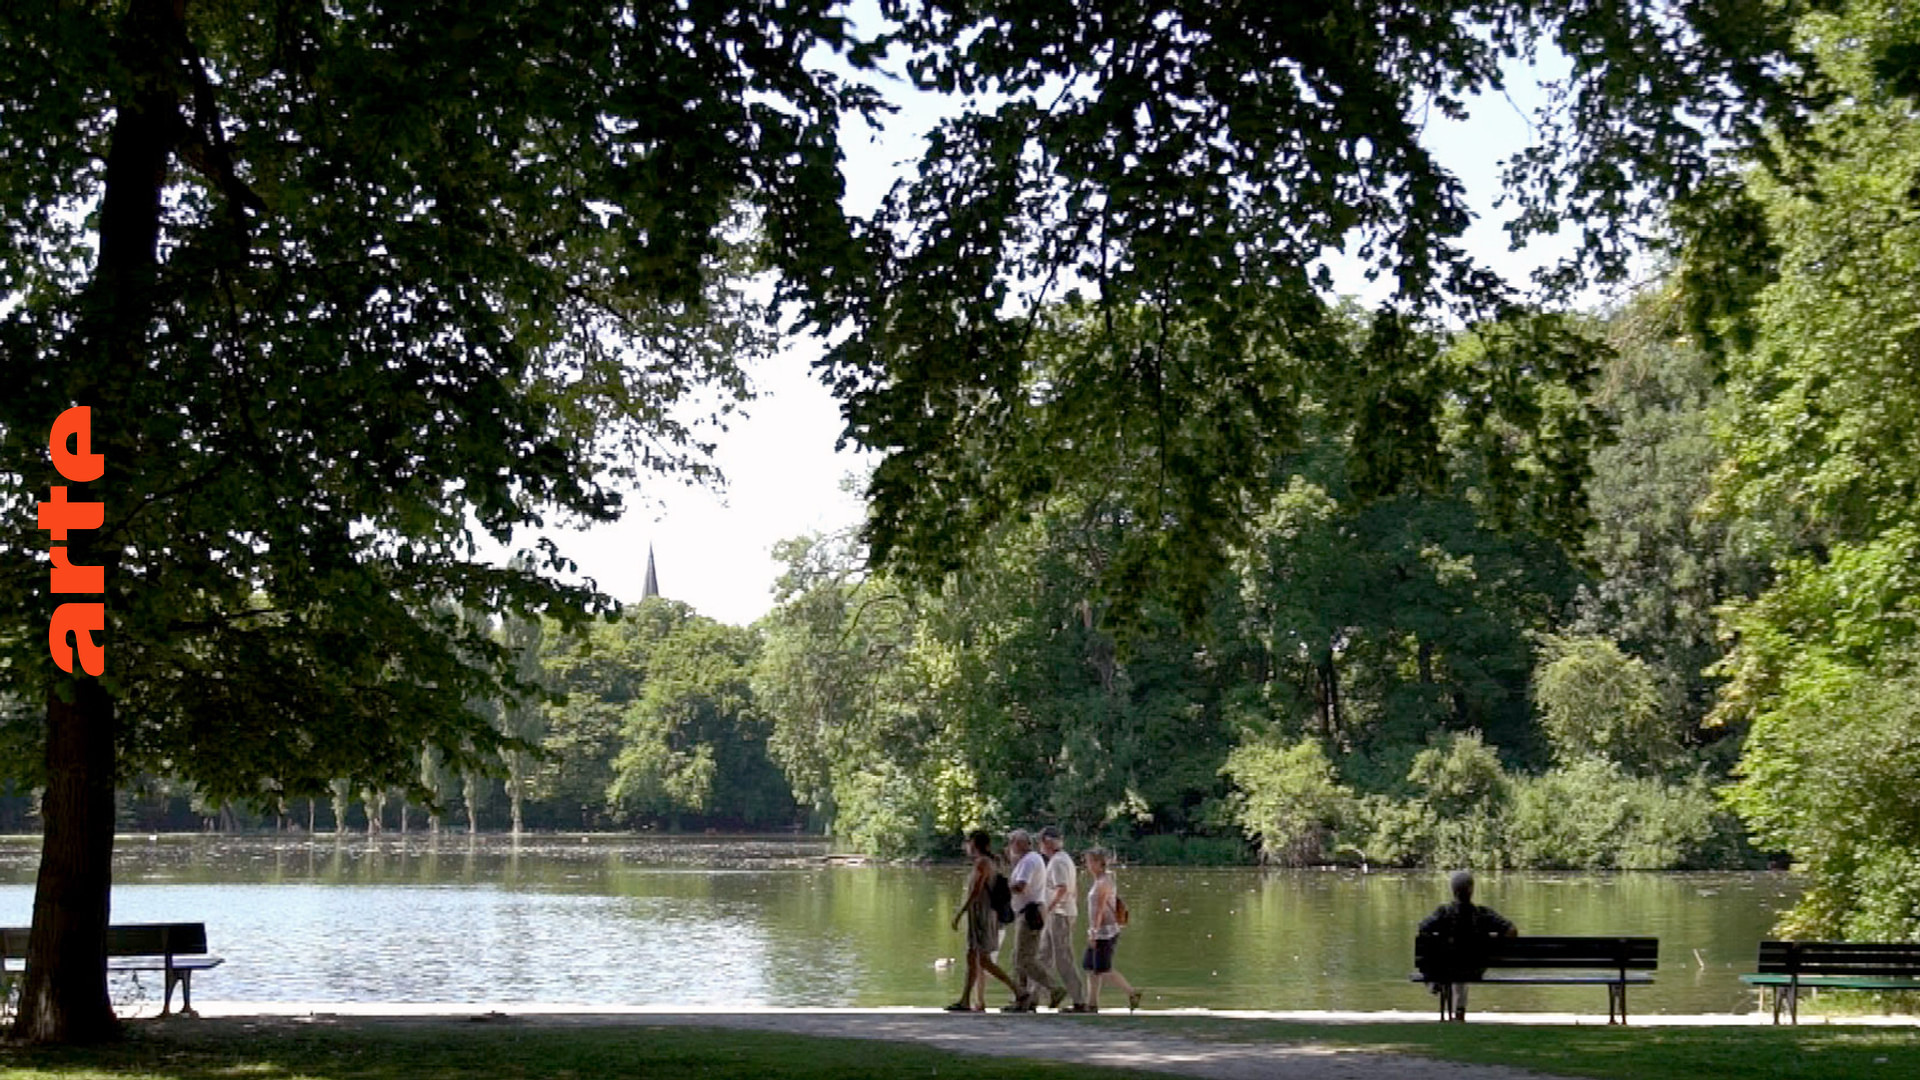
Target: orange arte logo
71, 632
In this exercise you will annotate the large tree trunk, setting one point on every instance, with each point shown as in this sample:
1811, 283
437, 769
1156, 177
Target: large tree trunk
65, 997
1327, 694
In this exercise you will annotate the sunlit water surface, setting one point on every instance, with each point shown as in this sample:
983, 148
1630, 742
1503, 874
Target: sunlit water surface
723, 921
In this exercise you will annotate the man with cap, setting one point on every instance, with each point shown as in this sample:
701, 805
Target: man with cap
1056, 948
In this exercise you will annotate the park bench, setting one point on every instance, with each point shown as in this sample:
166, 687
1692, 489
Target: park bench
1609, 962
177, 949
1786, 967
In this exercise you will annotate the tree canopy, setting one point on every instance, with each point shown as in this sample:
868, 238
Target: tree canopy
345, 286
1190, 166
1823, 404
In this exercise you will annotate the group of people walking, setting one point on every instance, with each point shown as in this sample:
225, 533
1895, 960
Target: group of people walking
1033, 894
1036, 898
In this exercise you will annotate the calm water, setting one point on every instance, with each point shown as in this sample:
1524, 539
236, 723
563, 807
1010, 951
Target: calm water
721, 922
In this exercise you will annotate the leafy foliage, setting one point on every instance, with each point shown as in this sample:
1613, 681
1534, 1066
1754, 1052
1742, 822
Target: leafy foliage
1832, 774
1664, 561
1591, 814
1822, 408
1288, 800
1596, 701
692, 743
1188, 169
404, 269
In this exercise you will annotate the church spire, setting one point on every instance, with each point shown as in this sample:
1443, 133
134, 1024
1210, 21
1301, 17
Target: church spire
652, 587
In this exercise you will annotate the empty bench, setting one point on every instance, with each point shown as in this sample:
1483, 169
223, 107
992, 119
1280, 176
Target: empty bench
177, 949
1613, 962
1785, 967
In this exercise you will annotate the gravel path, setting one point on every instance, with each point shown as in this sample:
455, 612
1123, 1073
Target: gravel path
1043, 1036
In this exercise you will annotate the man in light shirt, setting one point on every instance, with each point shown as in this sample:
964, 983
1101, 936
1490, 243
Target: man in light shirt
1029, 883
1056, 948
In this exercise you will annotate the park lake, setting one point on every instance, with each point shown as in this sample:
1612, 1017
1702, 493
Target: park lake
717, 921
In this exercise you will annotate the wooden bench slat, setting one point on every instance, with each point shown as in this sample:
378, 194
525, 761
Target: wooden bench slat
156, 939
1554, 980
1570, 980
1837, 947
1831, 982
155, 963
1561, 952
1891, 971
127, 939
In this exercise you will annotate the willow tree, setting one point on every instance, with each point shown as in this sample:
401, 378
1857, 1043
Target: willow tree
346, 285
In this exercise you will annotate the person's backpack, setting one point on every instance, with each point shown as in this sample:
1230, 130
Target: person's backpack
1119, 910
1000, 897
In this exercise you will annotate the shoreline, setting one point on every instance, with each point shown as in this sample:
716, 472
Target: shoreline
694, 1014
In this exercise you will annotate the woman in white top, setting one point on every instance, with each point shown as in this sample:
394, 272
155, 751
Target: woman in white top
1103, 933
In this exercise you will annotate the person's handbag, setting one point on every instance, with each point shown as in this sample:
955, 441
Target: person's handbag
1036, 919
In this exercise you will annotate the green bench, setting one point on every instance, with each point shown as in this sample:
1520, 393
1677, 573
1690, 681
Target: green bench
176, 949
1613, 962
1787, 967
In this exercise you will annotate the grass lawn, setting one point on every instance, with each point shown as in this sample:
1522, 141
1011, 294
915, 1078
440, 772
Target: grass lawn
1642, 1053
456, 1050
448, 1049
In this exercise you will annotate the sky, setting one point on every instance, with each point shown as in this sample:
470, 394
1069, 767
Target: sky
713, 546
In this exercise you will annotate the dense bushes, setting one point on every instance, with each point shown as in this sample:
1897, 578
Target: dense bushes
1589, 814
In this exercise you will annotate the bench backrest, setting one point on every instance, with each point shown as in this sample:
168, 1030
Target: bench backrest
1860, 959
130, 939
1617, 953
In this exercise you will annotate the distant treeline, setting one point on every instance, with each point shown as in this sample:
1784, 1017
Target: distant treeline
1396, 680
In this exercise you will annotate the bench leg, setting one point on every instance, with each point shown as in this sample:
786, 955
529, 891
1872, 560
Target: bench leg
1616, 1003
185, 981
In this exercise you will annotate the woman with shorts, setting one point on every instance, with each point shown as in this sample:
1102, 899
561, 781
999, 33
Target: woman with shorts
1103, 933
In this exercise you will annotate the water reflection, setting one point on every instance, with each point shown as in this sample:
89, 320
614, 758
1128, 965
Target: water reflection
721, 921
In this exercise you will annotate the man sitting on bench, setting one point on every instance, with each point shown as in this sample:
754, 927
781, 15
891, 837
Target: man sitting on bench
1464, 928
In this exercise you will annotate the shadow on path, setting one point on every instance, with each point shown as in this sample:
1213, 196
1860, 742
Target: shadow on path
1067, 1039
